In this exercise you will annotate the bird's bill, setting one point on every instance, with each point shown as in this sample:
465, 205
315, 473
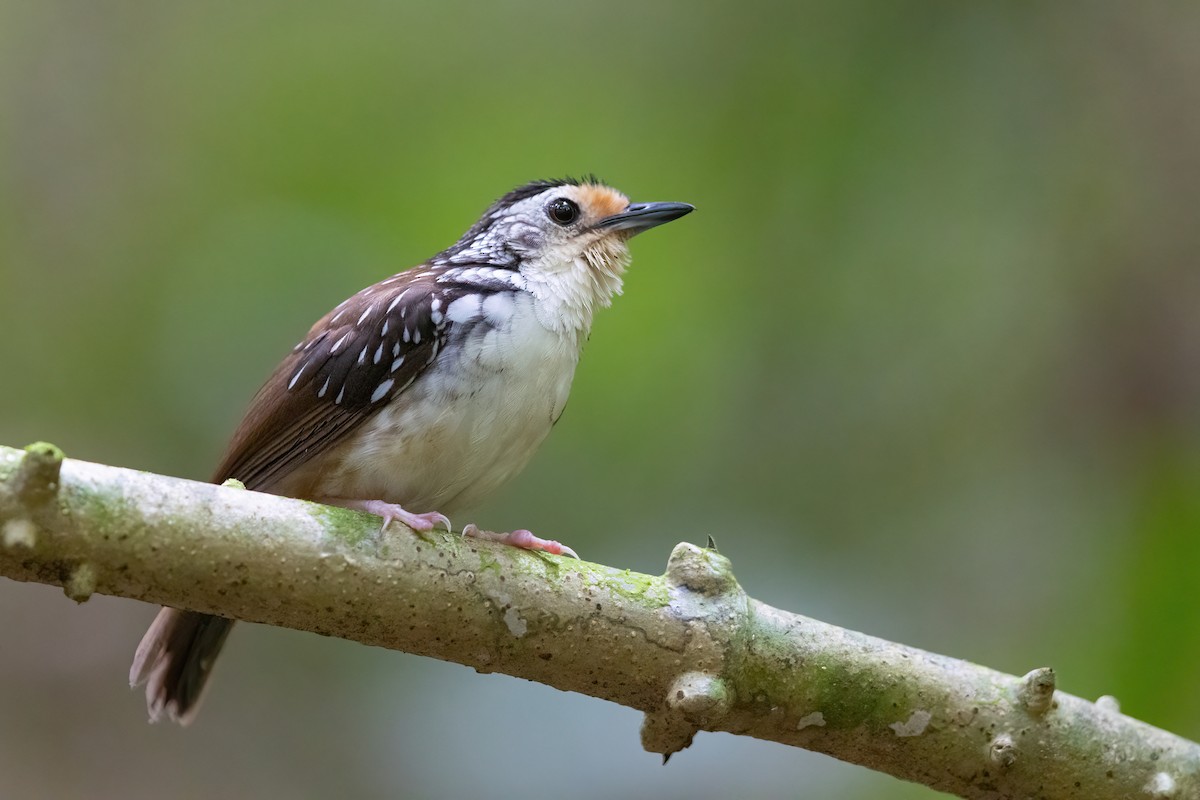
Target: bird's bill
638, 217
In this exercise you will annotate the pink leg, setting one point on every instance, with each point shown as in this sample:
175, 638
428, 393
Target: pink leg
521, 538
390, 511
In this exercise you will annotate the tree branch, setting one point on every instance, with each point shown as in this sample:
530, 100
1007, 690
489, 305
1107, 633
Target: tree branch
688, 648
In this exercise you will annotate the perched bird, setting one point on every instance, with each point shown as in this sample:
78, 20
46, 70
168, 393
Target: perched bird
419, 395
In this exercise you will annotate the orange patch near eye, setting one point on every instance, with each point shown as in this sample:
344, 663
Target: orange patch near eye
601, 200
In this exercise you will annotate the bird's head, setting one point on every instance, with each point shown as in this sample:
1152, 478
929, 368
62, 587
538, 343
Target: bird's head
568, 240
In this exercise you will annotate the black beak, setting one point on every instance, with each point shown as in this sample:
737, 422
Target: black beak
638, 217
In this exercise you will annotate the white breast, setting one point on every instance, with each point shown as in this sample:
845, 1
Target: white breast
471, 421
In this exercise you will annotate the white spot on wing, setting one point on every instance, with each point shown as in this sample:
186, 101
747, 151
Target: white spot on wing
464, 309
378, 354
324, 388
395, 349
383, 331
396, 301
416, 335
296, 377
341, 394
381, 390
396, 364
366, 314
338, 344
362, 356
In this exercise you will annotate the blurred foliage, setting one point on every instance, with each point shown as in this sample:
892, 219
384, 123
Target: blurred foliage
924, 361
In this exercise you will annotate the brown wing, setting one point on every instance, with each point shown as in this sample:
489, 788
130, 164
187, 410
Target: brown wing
353, 361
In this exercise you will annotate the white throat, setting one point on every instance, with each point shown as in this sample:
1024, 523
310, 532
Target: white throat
568, 290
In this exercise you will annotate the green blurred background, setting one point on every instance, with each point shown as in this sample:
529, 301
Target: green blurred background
924, 361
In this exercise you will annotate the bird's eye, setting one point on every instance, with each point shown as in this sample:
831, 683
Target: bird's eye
562, 211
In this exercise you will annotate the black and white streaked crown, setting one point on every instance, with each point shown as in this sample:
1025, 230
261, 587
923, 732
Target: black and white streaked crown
480, 244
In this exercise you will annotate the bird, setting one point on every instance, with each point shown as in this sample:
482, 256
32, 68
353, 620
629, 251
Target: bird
420, 395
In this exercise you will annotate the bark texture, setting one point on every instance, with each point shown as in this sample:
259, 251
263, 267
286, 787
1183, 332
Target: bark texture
689, 648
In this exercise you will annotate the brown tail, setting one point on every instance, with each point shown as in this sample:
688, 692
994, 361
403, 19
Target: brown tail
175, 658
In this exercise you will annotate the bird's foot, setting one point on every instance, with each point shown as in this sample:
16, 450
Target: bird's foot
521, 538
392, 511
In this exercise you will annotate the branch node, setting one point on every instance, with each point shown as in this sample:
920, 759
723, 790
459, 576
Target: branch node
666, 732
1036, 692
704, 571
1108, 703
700, 697
1003, 751
81, 583
37, 475
1161, 786
695, 700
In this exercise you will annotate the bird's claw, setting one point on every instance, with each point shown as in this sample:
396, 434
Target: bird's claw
421, 523
521, 538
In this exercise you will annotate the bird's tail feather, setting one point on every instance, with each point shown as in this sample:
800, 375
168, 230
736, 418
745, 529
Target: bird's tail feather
175, 659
